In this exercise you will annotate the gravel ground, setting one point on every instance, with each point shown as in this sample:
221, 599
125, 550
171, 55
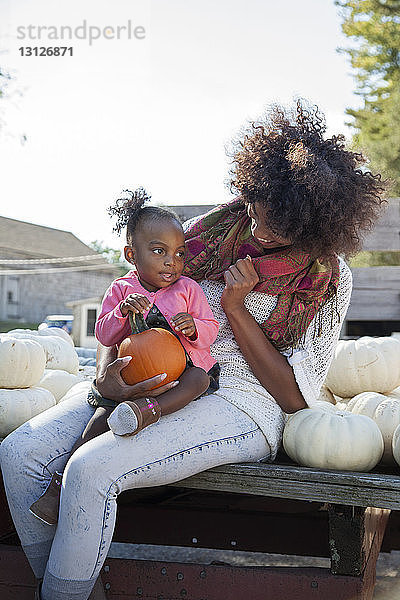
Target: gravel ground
387, 568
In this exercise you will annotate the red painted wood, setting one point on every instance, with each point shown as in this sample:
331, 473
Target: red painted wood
134, 579
137, 579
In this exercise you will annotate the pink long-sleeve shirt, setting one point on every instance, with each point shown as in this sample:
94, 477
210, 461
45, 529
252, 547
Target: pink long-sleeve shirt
185, 295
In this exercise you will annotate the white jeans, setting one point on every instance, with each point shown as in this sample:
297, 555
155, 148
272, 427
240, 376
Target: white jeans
206, 433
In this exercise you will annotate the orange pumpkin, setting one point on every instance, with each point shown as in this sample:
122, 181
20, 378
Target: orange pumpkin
153, 350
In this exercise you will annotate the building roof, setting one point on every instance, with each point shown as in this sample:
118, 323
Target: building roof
19, 238
23, 242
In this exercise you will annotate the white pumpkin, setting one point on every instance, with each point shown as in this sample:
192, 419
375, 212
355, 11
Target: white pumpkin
326, 395
324, 405
58, 382
18, 406
385, 411
394, 393
333, 440
363, 365
321, 405
387, 417
59, 353
342, 403
78, 390
52, 331
396, 445
365, 403
21, 362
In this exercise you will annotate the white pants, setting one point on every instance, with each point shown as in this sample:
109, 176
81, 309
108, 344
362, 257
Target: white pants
206, 433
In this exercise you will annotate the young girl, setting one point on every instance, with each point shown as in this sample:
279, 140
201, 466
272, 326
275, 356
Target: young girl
156, 289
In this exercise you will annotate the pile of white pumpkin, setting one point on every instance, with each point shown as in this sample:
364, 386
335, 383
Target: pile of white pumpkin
356, 421
37, 369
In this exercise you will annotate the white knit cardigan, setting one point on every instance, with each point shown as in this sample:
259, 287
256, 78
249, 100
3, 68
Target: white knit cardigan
310, 360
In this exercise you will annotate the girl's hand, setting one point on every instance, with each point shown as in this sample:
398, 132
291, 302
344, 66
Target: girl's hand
111, 385
135, 303
184, 323
240, 279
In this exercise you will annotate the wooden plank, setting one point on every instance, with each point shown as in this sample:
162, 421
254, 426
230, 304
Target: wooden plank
376, 294
135, 579
374, 305
386, 233
352, 533
372, 278
301, 483
293, 471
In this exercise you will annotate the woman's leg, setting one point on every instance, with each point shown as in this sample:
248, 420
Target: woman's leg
206, 433
29, 456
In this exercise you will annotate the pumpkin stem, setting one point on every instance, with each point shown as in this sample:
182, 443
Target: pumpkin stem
140, 322
137, 323
132, 323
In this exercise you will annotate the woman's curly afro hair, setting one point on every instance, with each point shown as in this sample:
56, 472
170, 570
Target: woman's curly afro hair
312, 188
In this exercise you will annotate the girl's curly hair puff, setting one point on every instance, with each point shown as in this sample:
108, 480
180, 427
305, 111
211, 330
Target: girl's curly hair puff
311, 188
130, 211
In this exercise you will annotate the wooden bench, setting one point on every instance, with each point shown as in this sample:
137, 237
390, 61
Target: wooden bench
270, 508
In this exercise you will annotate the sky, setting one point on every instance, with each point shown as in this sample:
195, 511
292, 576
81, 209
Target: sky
158, 109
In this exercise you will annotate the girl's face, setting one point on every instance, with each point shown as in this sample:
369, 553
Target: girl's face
158, 253
260, 230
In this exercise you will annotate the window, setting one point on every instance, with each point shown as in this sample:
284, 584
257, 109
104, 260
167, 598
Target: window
91, 321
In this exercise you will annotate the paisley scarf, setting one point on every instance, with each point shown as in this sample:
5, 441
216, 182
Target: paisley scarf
303, 284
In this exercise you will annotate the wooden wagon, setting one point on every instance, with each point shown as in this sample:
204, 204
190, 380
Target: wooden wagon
265, 508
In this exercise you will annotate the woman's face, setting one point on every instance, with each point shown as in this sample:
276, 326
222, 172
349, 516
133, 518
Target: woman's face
260, 230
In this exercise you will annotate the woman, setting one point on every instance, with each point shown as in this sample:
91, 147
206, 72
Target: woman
268, 264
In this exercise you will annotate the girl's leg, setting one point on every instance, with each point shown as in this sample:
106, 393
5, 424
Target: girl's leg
29, 456
96, 426
204, 434
47, 505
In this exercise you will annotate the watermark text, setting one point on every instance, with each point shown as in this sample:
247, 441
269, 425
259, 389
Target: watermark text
84, 32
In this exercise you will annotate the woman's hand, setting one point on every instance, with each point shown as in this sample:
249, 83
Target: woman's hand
240, 279
135, 303
184, 323
111, 385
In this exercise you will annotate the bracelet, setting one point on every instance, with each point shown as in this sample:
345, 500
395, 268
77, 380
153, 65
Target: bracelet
152, 404
95, 399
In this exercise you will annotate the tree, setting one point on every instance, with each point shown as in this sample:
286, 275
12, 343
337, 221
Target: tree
374, 25
111, 255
